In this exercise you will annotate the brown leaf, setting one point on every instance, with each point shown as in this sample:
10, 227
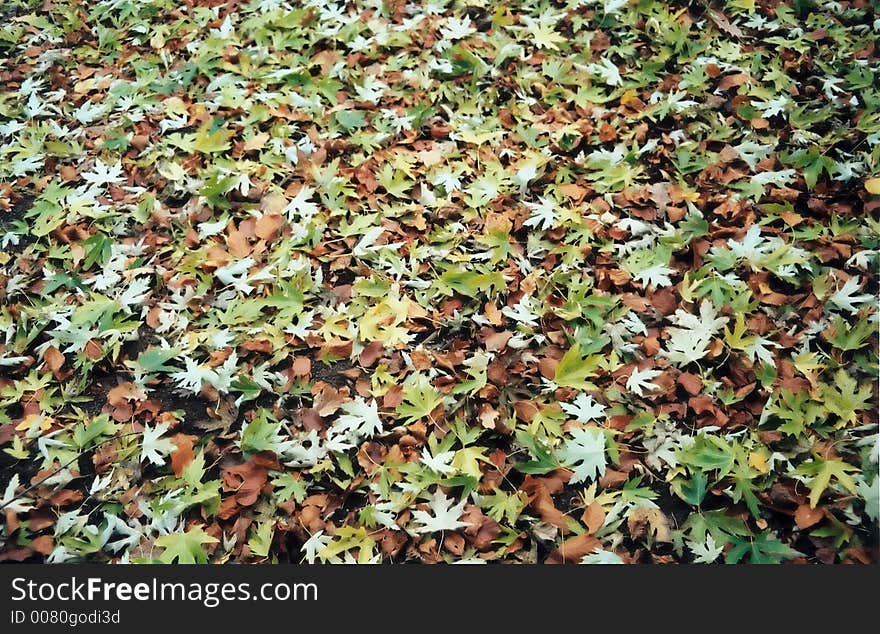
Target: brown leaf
256, 142
65, 497
454, 543
730, 81
16, 554
238, 244
12, 523
54, 361
571, 551
805, 516
301, 367
576, 192
498, 340
44, 544
724, 24
526, 410
482, 529
183, 454
246, 480
547, 367
691, 383
93, 350
327, 399
371, 353
593, 517
645, 522
268, 226
124, 392
542, 502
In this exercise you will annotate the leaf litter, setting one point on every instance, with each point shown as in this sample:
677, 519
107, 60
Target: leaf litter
571, 281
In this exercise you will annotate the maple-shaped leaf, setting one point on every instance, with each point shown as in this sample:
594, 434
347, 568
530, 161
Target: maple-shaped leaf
542, 461
185, 548
346, 539
656, 275
104, 174
573, 370
763, 548
361, 419
820, 472
441, 462
690, 341
419, 400
845, 397
543, 215
846, 299
468, 460
706, 552
585, 453
601, 557
870, 493
542, 32
584, 408
640, 380
153, 447
11, 503
211, 139
443, 516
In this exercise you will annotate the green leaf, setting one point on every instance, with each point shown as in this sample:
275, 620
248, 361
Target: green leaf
845, 397
419, 400
708, 453
85, 433
211, 139
288, 486
692, 490
468, 460
185, 548
261, 539
155, 359
821, 471
350, 538
763, 548
573, 370
351, 119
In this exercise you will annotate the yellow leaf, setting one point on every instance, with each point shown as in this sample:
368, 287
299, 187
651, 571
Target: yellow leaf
758, 461
256, 142
872, 185
45, 422
175, 106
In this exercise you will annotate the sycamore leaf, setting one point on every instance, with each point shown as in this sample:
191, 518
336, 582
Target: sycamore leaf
346, 539
574, 370
846, 299
706, 552
153, 447
361, 419
443, 516
760, 549
640, 380
584, 408
185, 548
11, 503
209, 140
585, 452
419, 400
441, 462
690, 341
820, 472
844, 397
468, 460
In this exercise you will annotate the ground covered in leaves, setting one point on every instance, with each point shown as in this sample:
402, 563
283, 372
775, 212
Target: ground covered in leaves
584, 281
